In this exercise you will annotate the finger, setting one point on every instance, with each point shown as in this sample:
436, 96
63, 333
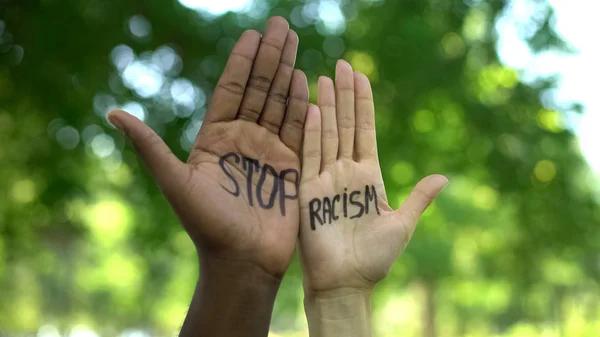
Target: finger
311, 146
164, 166
277, 99
329, 134
263, 71
295, 116
365, 142
228, 94
344, 100
417, 202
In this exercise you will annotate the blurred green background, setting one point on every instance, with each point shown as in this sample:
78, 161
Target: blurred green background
88, 245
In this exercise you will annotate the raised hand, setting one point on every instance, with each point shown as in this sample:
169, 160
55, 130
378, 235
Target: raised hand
349, 235
237, 194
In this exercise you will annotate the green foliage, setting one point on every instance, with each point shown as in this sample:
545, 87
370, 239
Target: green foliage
511, 247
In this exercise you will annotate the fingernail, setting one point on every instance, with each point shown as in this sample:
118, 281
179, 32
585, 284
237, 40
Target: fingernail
324, 79
447, 181
344, 63
116, 123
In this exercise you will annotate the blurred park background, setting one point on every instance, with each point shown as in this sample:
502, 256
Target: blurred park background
501, 96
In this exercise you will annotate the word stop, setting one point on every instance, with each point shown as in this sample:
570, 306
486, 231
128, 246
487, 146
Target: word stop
268, 179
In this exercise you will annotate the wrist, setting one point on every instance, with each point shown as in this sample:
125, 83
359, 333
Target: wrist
247, 273
339, 312
231, 291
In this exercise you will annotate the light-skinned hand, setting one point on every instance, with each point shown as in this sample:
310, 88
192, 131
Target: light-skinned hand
349, 234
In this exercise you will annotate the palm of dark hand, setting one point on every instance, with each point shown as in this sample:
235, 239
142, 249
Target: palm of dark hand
246, 178
236, 196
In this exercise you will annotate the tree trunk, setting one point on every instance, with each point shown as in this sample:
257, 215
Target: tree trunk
429, 329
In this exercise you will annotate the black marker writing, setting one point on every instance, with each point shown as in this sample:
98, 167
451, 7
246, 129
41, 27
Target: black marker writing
345, 203
236, 158
327, 210
336, 198
250, 165
370, 195
356, 203
323, 211
282, 195
265, 199
314, 206
263, 177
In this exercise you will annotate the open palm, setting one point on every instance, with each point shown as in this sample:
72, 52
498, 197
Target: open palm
236, 195
349, 235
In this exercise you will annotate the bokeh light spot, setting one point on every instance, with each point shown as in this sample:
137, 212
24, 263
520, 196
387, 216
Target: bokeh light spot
424, 121
26, 308
121, 176
452, 114
23, 191
561, 272
453, 45
103, 103
108, 221
332, 20
403, 172
140, 27
103, 145
121, 271
167, 60
511, 146
545, 170
48, 330
493, 83
464, 256
134, 333
475, 26
89, 132
82, 331
362, 62
398, 314
143, 77
550, 120
135, 109
189, 135
485, 197
67, 137
296, 17
15, 55
357, 28
122, 56
217, 7
112, 162
53, 126
310, 12
186, 97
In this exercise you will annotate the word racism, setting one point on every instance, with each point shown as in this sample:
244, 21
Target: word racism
250, 167
324, 210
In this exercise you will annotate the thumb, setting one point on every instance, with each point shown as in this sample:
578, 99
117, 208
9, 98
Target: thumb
153, 151
417, 202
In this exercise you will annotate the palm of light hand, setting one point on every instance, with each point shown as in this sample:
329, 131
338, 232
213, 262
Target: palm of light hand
351, 247
355, 257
